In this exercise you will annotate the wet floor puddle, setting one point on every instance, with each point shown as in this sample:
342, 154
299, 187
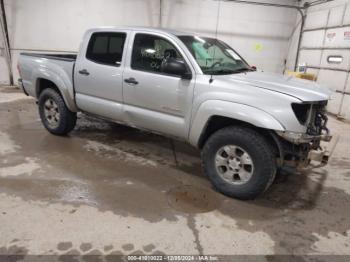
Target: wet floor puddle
192, 199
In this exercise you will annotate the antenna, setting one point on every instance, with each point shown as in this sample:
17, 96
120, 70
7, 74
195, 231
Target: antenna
216, 35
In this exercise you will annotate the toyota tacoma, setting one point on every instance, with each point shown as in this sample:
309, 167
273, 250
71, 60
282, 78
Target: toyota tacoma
247, 124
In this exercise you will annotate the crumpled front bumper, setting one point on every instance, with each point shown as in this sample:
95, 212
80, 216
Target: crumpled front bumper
301, 138
317, 154
323, 154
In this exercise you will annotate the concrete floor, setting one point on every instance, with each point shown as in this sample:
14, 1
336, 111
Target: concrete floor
109, 189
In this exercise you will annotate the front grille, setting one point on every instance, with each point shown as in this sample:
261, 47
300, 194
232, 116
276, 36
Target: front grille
312, 115
317, 120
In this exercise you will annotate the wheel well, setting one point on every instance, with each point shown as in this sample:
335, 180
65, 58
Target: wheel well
218, 122
42, 84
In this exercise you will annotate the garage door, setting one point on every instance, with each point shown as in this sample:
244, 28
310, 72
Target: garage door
325, 48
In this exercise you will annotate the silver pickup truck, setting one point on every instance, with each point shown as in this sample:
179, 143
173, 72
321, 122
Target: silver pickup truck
247, 124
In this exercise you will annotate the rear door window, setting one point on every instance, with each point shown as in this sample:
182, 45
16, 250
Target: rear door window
106, 48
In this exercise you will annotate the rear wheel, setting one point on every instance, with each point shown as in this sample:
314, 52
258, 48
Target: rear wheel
54, 114
239, 162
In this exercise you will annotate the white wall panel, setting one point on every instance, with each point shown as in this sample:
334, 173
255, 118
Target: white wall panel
316, 19
336, 16
338, 37
335, 80
293, 45
346, 20
345, 110
310, 57
312, 39
59, 25
4, 79
335, 102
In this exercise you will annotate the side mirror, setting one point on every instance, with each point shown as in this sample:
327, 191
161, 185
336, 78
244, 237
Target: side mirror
174, 66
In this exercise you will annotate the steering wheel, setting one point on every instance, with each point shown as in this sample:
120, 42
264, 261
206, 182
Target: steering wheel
155, 64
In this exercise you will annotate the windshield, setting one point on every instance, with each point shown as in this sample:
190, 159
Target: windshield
214, 56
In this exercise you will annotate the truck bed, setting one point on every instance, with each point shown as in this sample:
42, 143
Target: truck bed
57, 67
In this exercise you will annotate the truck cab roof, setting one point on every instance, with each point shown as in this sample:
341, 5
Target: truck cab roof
138, 28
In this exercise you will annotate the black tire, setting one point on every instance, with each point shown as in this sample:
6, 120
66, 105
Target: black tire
67, 119
260, 153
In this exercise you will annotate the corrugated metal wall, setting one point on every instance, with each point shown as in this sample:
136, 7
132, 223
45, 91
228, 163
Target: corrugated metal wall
326, 37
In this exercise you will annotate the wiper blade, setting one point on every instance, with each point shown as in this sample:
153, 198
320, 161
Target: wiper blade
228, 71
240, 70
221, 71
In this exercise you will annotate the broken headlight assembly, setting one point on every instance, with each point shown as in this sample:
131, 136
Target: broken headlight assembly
312, 115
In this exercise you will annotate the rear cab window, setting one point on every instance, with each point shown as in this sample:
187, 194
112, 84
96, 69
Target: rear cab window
106, 48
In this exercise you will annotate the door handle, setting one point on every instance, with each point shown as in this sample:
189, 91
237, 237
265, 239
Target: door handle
84, 72
131, 80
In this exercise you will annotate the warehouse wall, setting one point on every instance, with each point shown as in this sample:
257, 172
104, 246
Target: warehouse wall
4, 76
260, 34
293, 44
58, 26
327, 34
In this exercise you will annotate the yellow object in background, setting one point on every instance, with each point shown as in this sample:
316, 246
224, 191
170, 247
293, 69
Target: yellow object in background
258, 47
307, 76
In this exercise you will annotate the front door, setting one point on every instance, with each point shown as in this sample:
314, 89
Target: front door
154, 100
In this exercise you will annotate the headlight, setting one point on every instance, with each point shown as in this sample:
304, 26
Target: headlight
301, 111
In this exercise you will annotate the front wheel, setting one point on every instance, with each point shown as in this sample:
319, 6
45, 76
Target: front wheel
54, 114
239, 162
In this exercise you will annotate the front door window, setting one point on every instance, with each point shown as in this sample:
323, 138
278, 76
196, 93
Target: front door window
149, 52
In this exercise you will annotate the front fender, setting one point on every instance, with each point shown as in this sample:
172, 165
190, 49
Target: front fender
62, 82
245, 113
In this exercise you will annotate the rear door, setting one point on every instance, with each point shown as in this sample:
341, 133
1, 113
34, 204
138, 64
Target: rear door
98, 74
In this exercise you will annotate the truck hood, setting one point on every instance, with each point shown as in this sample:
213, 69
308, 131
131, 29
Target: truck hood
304, 90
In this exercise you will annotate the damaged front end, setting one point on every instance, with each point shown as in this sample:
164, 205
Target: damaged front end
300, 150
